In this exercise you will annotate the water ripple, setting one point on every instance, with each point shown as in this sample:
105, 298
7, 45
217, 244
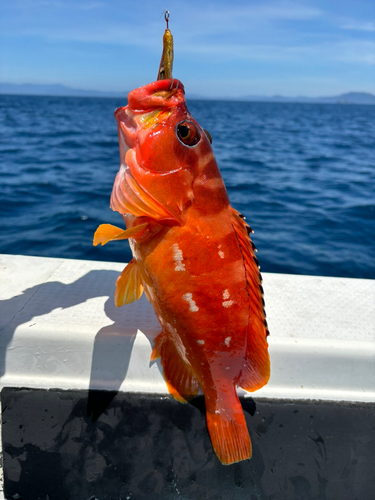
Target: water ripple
302, 174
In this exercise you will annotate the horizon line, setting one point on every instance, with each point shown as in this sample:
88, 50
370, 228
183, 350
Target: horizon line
37, 89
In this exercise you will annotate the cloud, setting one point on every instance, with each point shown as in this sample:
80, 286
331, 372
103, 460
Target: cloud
121, 35
195, 17
228, 27
232, 18
351, 51
355, 52
61, 4
238, 31
278, 10
360, 26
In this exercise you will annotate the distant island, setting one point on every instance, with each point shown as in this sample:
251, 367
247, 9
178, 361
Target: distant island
62, 90
347, 98
54, 90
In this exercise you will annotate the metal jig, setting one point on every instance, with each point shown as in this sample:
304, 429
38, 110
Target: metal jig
166, 63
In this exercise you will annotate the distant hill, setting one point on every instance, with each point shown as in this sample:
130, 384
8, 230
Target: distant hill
348, 98
357, 98
61, 90
54, 89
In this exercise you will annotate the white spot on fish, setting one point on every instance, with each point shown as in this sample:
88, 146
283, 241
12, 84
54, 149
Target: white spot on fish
227, 368
189, 299
211, 184
200, 342
169, 327
178, 258
227, 341
226, 295
221, 254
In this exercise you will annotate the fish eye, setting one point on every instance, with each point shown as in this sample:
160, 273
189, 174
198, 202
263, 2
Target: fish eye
188, 133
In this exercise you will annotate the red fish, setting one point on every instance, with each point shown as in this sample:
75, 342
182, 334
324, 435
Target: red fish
193, 257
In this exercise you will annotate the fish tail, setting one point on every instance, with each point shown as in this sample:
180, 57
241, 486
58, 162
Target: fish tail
229, 435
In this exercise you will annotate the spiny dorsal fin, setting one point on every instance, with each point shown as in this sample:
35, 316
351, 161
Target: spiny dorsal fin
129, 285
107, 232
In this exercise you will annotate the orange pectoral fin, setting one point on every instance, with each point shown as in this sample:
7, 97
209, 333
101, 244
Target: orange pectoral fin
107, 232
129, 285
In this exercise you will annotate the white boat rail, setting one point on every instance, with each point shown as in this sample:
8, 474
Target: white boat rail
60, 329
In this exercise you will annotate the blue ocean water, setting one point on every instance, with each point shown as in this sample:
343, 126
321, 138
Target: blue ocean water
302, 174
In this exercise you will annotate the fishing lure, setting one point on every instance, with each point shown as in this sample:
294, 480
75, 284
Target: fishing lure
192, 256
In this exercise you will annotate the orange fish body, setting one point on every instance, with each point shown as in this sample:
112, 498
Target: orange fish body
193, 258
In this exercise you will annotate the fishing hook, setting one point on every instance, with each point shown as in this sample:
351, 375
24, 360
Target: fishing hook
166, 17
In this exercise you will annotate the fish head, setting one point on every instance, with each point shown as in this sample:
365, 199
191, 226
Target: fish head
162, 153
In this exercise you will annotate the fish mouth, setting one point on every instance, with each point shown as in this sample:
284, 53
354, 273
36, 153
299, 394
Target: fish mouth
160, 94
128, 196
146, 107
127, 124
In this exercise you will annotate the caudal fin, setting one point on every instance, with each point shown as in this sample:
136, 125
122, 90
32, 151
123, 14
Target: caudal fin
229, 436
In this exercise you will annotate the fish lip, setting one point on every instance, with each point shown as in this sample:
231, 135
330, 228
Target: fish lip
162, 94
159, 94
126, 124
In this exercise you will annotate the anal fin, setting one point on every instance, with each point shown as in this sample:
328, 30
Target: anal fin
179, 377
129, 285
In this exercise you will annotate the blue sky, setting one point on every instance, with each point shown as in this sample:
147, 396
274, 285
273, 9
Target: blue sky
222, 48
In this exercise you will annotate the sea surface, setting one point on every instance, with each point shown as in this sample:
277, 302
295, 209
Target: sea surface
302, 174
